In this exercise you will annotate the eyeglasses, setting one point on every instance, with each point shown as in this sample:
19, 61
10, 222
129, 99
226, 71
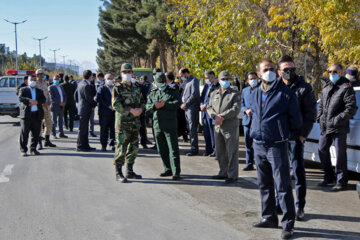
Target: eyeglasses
288, 69
335, 72
268, 69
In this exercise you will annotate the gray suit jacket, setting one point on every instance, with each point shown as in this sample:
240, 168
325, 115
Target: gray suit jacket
55, 97
191, 94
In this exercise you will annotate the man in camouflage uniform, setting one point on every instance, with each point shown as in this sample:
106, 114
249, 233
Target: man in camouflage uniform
163, 102
128, 103
42, 85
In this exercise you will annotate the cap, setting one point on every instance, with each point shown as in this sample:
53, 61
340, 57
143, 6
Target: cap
353, 71
160, 80
269, 76
156, 70
39, 71
126, 67
224, 74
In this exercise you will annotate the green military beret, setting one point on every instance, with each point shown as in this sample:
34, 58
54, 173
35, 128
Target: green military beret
160, 80
126, 67
224, 75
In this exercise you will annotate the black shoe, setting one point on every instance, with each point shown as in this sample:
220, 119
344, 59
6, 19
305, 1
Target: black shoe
339, 187
176, 177
91, 149
230, 180
145, 147
264, 223
24, 154
300, 214
206, 154
213, 155
71, 130
249, 168
130, 172
218, 177
82, 150
63, 136
34, 152
286, 234
119, 174
325, 183
167, 173
93, 134
103, 149
47, 142
189, 154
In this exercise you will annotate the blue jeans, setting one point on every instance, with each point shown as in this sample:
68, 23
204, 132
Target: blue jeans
208, 128
249, 147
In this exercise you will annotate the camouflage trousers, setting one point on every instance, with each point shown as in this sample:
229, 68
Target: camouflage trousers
127, 146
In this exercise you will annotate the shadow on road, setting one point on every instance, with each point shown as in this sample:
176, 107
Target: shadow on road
332, 217
324, 233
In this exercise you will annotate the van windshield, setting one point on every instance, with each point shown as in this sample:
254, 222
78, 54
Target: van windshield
4, 82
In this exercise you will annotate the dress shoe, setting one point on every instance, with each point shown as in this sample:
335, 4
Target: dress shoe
176, 177
212, 155
230, 180
264, 223
300, 214
24, 154
34, 152
71, 130
91, 149
103, 149
167, 173
189, 154
248, 168
338, 187
63, 136
145, 147
82, 150
93, 134
325, 183
218, 177
206, 154
286, 234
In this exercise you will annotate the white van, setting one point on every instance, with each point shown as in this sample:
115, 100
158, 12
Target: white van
353, 141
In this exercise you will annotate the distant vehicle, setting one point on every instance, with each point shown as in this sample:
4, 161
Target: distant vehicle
144, 71
353, 141
9, 103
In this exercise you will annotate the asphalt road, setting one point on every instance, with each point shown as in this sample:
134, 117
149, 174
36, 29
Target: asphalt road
63, 194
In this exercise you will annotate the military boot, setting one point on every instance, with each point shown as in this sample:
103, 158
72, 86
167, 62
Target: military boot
40, 144
47, 142
130, 172
119, 175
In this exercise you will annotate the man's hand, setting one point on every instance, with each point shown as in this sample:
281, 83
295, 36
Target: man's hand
219, 120
111, 108
203, 108
248, 112
62, 104
136, 111
183, 107
32, 102
160, 104
302, 139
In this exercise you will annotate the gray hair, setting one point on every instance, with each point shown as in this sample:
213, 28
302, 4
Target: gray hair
338, 65
108, 75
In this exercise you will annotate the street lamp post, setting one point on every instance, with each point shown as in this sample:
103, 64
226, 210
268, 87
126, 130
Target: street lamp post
16, 23
64, 61
54, 50
40, 39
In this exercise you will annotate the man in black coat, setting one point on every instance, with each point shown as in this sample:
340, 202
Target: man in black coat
85, 96
31, 115
307, 103
337, 106
70, 108
24, 84
106, 113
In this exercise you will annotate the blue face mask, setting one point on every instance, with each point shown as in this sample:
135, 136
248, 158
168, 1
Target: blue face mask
56, 82
224, 83
44, 78
163, 88
334, 78
184, 79
253, 82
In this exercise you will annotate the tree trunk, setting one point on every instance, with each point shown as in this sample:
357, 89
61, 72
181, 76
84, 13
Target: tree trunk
163, 62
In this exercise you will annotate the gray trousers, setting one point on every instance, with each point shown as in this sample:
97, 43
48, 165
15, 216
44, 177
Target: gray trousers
227, 151
92, 121
192, 120
57, 119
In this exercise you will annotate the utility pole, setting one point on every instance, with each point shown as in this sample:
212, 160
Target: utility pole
54, 50
70, 66
40, 39
64, 61
16, 23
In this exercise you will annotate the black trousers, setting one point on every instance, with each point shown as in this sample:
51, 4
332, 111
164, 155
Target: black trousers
107, 125
143, 137
69, 115
83, 136
33, 125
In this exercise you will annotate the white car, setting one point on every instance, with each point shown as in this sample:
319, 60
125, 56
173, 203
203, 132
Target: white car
353, 141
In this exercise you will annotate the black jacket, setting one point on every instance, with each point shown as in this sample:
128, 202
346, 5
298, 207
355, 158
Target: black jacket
337, 106
104, 98
69, 91
25, 96
86, 94
20, 86
307, 104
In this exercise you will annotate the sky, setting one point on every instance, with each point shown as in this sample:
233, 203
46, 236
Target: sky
70, 25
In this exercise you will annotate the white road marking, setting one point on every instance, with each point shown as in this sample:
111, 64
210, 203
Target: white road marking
7, 172
250, 179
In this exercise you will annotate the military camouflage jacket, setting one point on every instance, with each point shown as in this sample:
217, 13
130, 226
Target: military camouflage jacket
124, 98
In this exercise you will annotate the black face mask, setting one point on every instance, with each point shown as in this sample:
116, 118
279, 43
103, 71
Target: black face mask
289, 75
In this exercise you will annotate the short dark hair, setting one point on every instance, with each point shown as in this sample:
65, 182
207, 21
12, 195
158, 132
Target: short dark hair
26, 78
265, 60
338, 65
100, 74
250, 73
285, 58
66, 78
87, 74
210, 73
170, 75
47, 77
185, 70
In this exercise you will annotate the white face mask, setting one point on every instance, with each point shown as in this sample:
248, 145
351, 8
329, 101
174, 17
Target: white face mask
253, 82
32, 84
133, 80
109, 82
208, 81
126, 77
